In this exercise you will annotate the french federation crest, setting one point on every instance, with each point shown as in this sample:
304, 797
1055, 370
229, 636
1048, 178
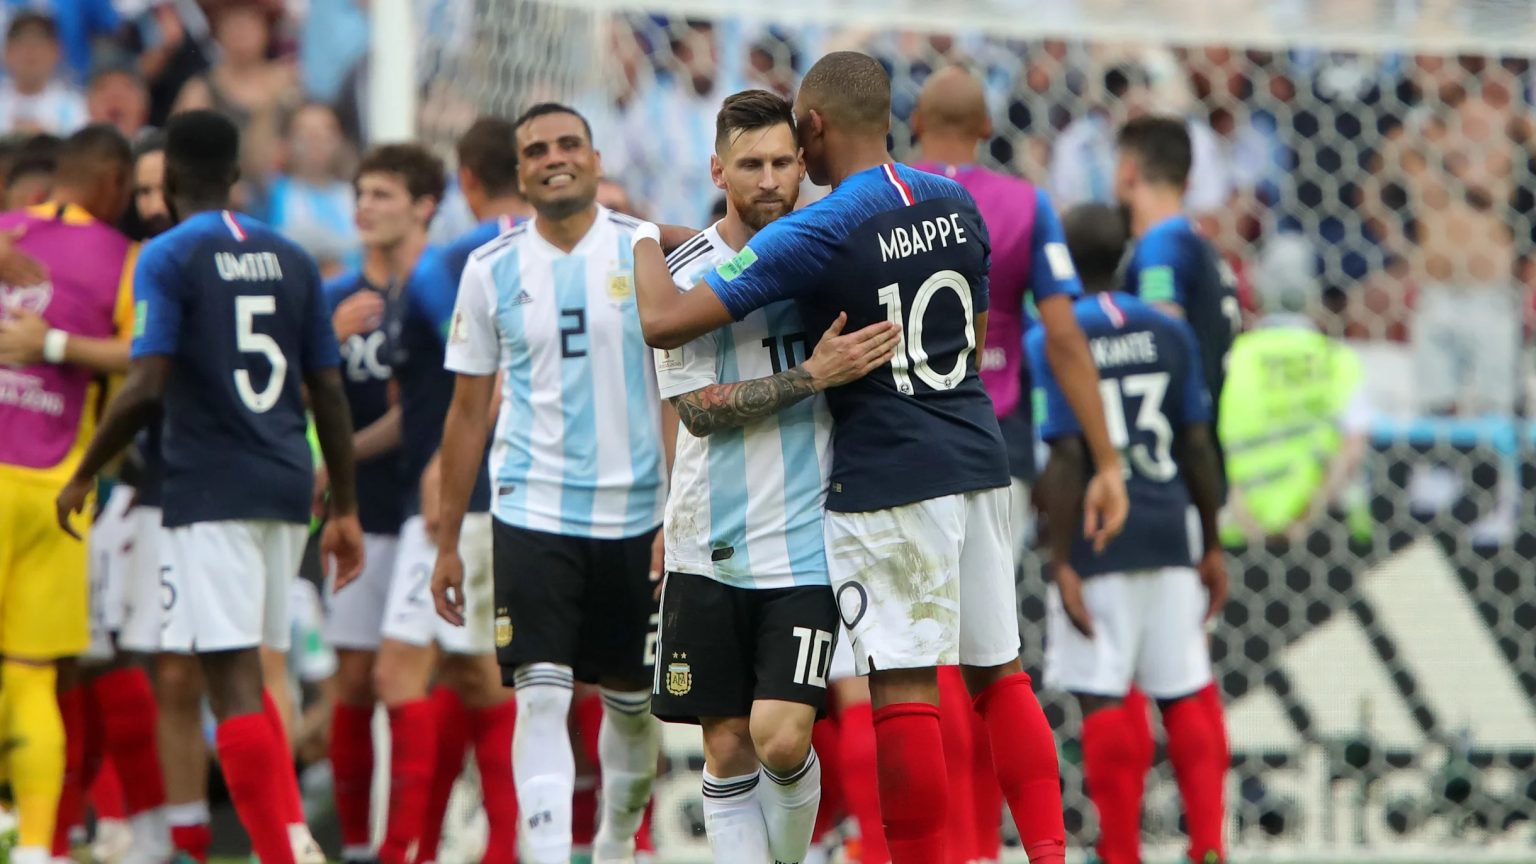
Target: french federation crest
679, 677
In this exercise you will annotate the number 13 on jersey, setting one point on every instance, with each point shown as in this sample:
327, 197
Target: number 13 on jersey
911, 355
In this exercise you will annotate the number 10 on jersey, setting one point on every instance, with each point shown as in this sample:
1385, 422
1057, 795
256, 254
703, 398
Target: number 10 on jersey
911, 356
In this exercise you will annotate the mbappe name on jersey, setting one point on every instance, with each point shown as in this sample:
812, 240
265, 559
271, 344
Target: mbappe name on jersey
919, 237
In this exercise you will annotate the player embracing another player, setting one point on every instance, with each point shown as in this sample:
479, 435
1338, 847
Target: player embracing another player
919, 549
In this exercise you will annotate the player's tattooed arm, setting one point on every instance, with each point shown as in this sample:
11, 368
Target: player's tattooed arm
727, 406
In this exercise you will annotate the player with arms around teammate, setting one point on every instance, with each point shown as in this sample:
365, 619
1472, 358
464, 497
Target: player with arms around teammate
918, 545
748, 612
1135, 612
231, 327
577, 469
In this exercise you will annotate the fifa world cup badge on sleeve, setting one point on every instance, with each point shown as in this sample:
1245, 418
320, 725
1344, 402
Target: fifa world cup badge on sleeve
679, 675
456, 334
621, 287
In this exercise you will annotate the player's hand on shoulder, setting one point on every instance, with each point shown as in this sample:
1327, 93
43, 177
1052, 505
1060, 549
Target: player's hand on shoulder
16, 266
1213, 575
841, 358
1105, 507
22, 334
360, 313
341, 548
448, 586
1070, 584
71, 500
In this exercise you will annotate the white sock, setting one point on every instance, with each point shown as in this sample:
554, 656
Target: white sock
186, 815
542, 763
789, 803
733, 819
628, 743
151, 837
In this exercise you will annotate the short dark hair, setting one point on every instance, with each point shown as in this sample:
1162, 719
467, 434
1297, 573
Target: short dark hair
27, 164
1096, 235
110, 70
749, 111
202, 155
545, 108
851, 90
1160, 146
418, 167
32, 23
489, 151
90, 150
151, 141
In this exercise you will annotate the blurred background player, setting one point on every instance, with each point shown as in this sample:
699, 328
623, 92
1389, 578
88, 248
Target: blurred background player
576, 512
1135, 611
62, 333
236, 508
951, 123
747, 606
885, 228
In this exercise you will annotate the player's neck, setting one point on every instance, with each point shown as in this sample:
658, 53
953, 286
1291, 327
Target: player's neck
566, 232
186, 208
734, 231
384, 265
947, 150
1153, 205
860, 156
509, 205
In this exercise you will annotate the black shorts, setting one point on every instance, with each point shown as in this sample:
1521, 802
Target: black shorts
583, 603
722, 648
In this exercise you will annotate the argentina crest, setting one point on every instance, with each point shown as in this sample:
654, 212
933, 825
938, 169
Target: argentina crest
679, 676
621, 287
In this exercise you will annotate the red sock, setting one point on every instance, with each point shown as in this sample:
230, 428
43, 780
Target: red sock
248, 751
588, 719
71, 804
913, 797
194, 840
352, 768
1024, 752
412, 750
450, 721
584, 814
492, 730
987, 816
1197, 747
861, 784
1114, 775
130, 717
288, 778
824, 737
644, 842
955, 721
106, 794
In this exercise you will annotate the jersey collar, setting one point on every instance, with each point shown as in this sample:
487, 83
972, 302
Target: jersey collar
69, 214
582, 247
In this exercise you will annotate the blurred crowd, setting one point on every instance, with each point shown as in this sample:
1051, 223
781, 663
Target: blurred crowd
1392, 197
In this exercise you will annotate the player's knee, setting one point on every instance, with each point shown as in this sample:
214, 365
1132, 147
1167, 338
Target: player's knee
782, 738
729, 750
354, 678
401, 673
178, 682
475, 677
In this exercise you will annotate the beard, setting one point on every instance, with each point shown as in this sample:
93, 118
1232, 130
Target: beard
157, 225
757, 216
561, 208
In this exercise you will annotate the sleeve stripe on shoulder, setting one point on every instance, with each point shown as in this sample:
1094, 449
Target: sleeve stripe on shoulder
621, 219
691, 245
501, 242
677, 263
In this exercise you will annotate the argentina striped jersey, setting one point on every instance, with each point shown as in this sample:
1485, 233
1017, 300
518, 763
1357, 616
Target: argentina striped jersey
746, 503
577, 449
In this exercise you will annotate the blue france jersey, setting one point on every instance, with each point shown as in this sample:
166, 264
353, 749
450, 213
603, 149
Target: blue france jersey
578, 441
367, 367
1151, 385
239, 309
1172, 263
890, 243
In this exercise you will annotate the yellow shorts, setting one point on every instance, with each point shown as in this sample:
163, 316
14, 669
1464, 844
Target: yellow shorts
43, 580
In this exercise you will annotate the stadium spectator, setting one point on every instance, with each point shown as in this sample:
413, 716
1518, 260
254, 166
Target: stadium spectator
33, 98
117, 95
82, 26
311, 202
170, 42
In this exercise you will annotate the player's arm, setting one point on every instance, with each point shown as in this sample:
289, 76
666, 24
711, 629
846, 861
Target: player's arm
378, 437
1195, 452
136, 406
670, 318
1062, 490
27, 339
333, 426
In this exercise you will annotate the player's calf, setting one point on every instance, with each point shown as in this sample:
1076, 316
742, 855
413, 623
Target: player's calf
790, 791
542, 761
628, 745
248, 748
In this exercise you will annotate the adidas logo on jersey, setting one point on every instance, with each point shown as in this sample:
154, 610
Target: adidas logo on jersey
248, 266
521, 298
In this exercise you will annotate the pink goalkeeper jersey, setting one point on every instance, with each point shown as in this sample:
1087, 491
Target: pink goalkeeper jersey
48, 411
1029, 255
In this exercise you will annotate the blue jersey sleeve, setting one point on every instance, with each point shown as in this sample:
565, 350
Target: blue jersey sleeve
156, 301
320, 348
981, 295
1195, 406
782, 262
1155, 269
1050, 270
1052, 415
433, 290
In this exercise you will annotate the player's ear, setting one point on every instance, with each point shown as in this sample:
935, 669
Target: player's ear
717, 170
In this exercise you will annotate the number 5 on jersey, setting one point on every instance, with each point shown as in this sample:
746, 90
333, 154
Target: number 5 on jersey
911, 355
248, 341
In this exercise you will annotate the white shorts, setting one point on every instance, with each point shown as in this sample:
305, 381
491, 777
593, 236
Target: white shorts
410, 615
842, 657
227, 584
144, 598
1148, 628
354, 616
927, 584
108, 569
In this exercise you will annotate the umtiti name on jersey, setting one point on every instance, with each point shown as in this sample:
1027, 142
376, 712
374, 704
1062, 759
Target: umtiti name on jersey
924, 236
248, 266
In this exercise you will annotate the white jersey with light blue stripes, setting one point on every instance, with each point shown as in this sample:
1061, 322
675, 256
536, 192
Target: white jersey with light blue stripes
578, 448
746, 503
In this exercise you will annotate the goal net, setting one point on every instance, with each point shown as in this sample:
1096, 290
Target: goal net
1368, 165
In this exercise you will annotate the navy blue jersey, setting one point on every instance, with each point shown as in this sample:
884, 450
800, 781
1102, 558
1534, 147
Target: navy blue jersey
150, 484
1152, 387
426, 388
1173, 264
890, 243
367, 361
239, 309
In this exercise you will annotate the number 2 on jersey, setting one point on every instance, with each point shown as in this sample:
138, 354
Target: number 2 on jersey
1157, 463
248, 341
911, 357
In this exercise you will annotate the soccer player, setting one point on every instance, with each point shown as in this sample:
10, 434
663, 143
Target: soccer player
238, 471
918, 545
578, 481
1135, 611
950, 123
59, 336
747, 609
